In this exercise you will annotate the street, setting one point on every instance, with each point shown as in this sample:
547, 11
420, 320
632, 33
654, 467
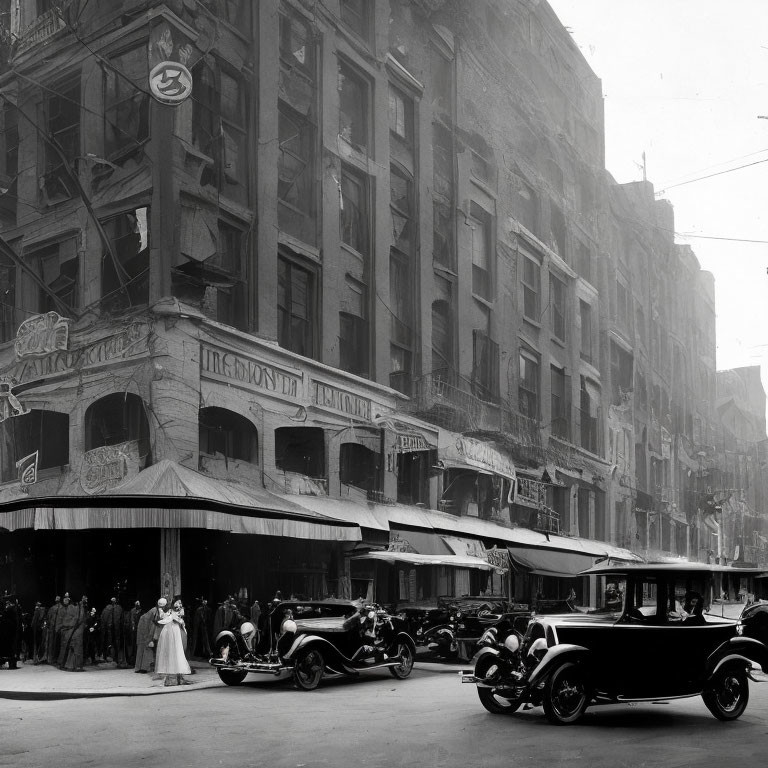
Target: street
431, 720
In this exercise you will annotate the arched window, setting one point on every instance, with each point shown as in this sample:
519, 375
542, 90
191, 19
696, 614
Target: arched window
300, 450
229, 434
115, 419
46, 432
358, 466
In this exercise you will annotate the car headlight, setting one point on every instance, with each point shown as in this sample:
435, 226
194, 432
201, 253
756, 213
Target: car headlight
512, 643
458, 614
289, 626
740, 628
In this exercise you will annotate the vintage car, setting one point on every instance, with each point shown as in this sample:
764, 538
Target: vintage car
312, 639
650, 640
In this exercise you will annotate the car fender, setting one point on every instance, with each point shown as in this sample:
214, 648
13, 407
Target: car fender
555, 656
485, 652
330, 651
440, 630
738, 650
403, 637
228, 634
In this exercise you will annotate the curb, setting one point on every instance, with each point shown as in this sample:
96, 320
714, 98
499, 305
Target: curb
100, 693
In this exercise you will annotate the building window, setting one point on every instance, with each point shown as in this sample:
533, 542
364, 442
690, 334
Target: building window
560, 403
7, 299
353, 344
584, 262
9, 156
528, 389
59, 268
235, 12
300, 450
482, 252
297, 51
126, 107
354, 211
46, 432
623, 307
442, 336
401, 292
358, 466
356, 14
442, 232
295, 307
558, 303
128, 235
219, 127
401, 115
531, 279
227, 434
62, 118
485, 366
583, 512
116, 419
585, 314
354, 123
557, 222
589, 410
296, 179
621, 374
401, 207
442, 82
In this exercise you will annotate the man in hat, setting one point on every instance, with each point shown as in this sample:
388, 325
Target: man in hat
111, 632
130, 625
9, 627
52, 632
201, 627
147, 634
37, 624
67, 618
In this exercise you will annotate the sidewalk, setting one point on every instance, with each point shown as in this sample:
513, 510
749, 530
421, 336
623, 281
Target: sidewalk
43, 681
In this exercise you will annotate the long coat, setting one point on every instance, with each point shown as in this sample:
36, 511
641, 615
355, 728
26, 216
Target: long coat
147, 631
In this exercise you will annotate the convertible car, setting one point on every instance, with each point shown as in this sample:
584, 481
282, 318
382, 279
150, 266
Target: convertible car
650, 639
312, 639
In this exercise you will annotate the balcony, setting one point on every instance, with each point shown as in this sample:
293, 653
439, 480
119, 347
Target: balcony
524, 433
446, 399
531, 493
41, 29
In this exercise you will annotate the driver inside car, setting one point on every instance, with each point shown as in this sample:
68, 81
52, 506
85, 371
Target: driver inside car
362, 620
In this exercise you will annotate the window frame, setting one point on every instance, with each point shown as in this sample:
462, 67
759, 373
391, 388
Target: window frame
531, 289
346, 71
362, 182
559, 304
524, 393
309, 345
111, 75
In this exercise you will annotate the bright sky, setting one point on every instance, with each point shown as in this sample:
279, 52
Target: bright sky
684, 82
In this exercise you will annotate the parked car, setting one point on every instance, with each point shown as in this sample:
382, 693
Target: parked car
313, 639
651, 639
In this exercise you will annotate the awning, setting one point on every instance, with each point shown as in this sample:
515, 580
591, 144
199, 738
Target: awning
423, 542
463, 546
369, 437
546, 562
412, 558
477, 455
408, 437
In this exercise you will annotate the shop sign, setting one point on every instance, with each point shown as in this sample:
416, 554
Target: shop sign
27, 468
343, 401
249, 371
397, 544
133, 341
170, 82
498, 558
405, 443
42, 334
9, 403
108, 466
476, 453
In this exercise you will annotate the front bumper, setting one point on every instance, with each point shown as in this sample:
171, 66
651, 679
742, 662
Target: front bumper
259, 667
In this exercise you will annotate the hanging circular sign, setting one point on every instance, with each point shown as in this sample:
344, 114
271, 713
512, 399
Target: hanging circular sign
170, 82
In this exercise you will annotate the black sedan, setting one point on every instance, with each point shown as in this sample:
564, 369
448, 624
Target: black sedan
312, 639
649, 639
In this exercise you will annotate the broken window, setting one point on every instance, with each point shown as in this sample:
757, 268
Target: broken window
482, 251
296, 45
356, 14
219, 124
353, 344
296, 180
61, 145
354, 211
126, 105
442, 83
400, 115
557, 301
531, 280
485, 366
528, 389
227, 434
527, 210
559, 232
353, 108
58, 266
621, 374
9, 156
358, 466
7, 299
442, 336
46, 432
295, 307
300, 450
115, 419
126, 284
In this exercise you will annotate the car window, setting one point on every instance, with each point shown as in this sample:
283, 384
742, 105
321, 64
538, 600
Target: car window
613, 596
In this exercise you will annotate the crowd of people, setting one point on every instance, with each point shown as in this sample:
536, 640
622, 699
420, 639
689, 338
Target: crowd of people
72, 634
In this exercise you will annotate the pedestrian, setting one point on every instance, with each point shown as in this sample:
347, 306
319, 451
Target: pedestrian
171, 661
201, 627
52, 632
9, 628
223, 617
66, 622
147, 633
37, 625
130, 625
256, 614
111, 624
92, 637
74, 639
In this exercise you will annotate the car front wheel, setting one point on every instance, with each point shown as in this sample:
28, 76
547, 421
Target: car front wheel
727, 694
565, 694
231, 676
405, 667
308, 669
487, 669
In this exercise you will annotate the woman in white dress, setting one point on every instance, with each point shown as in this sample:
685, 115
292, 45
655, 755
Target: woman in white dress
170, 659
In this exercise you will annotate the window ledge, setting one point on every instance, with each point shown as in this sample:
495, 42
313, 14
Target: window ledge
531, 321
485, 302
557, 340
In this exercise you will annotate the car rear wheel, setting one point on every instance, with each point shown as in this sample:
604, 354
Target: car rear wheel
565, 694
231, 676
405, 667
308, 669
487, 669
727, 694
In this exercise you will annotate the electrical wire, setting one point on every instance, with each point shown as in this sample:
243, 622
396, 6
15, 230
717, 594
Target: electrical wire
711, 175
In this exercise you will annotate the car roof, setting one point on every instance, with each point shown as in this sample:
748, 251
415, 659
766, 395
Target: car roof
624, 568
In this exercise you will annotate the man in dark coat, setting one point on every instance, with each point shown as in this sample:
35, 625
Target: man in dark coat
111, 632
201, 627
9, 628
37, 624
52, 632
130, 625
91, 642
147, 634
73, 640
224, 614
66, 620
